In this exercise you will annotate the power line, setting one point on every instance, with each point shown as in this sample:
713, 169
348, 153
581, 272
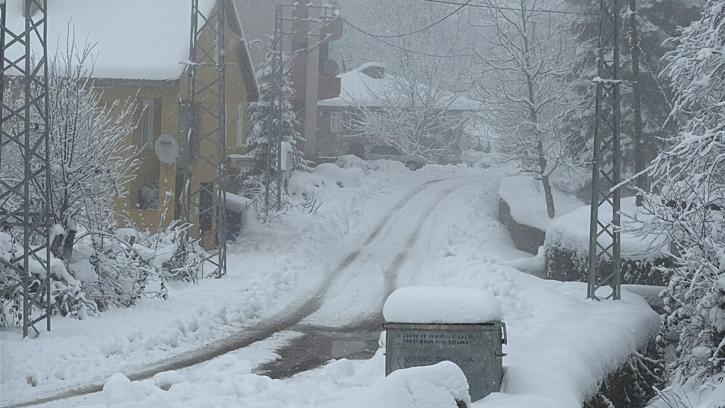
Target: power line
486, 6
388, 43
429, 26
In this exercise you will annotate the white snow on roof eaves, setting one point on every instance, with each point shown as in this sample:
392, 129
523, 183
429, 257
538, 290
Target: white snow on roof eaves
358, 90
134, 39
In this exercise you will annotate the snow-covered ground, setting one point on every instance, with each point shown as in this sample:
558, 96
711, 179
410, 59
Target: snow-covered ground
525, 196
572, 231
379, 227
273, 271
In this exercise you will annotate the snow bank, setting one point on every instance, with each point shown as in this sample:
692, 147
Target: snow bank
572, 231
560, 345
525, 198
324, 178
344, 383
441, 305
436, 386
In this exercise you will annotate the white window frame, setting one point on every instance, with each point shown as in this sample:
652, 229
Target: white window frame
240, 125
147, 121
336, 122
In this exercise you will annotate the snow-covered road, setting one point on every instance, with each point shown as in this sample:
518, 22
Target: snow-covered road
370, 265
350, 317
378, 228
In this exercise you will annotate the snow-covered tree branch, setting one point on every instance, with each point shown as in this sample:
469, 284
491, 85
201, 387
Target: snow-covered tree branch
523, 62
690, 205
417, 110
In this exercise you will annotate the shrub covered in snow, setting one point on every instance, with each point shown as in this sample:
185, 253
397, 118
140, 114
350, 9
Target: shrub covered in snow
690, 204
634, 383
91, 164
567, 247
108, 269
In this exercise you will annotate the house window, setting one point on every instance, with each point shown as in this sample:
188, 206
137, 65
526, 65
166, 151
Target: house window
150, 121
240, 126
149, 173
336, 122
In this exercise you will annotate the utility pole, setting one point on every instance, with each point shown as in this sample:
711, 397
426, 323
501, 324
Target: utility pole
206, 123
326, 16
640, 145
605, 267
278, 84
25, 199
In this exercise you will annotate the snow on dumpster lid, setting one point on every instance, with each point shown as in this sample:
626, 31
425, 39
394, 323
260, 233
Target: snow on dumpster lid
441, 305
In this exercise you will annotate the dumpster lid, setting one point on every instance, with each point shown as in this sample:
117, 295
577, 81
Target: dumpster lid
441, 305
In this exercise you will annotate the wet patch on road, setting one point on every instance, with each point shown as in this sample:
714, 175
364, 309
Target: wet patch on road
319, 345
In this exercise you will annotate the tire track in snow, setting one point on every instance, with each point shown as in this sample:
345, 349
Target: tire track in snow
357, 338
284, 320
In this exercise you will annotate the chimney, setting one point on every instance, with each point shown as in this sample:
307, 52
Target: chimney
30, 7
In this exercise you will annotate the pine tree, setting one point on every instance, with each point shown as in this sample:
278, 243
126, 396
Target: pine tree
272, 125
657, 21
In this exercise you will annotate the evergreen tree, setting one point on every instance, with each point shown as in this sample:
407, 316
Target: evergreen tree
657, 21
272, 124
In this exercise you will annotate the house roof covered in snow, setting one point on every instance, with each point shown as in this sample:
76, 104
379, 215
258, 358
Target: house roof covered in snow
134, 39
370, 86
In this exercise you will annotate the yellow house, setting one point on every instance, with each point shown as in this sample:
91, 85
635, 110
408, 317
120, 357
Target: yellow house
142, 52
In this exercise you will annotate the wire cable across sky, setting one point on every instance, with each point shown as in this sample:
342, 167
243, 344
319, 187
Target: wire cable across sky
429, 26
388, 43
488, 6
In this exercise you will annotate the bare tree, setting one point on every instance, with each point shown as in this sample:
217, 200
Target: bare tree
90, 157
417, 110
522, 56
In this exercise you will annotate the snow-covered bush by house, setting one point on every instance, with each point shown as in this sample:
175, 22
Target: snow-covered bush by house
67, 296
92, 267
90, 165
117, 269
91, 161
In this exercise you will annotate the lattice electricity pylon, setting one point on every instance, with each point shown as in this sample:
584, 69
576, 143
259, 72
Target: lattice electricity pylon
25, 183
205, 117
605, 268
326, 16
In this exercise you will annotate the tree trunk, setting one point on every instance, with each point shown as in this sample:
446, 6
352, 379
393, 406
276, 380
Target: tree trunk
640, 145
68, 241
550, 210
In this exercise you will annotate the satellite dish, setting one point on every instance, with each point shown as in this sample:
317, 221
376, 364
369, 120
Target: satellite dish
167, 149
